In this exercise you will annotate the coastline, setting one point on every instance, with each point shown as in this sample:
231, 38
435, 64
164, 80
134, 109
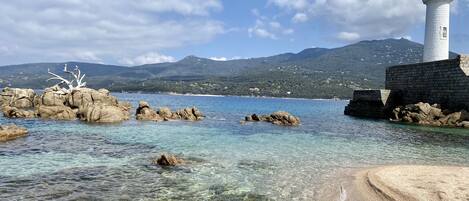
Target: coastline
241, 96
409, 183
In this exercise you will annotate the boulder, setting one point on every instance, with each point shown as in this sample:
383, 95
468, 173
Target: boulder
53, 96
11, 132
84, 96
285, 119
102, 113
19, 98
432, 115
189, 114
168, 160
165, 113
13, 112
278, 118
145, 113
56, 112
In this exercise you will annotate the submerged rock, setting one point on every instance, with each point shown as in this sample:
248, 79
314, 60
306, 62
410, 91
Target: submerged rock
11, 132
432, 115
278, 118
168, 160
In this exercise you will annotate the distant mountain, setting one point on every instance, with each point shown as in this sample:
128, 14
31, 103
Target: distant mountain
311, 73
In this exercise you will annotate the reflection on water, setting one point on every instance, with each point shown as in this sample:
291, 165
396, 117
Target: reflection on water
225, 160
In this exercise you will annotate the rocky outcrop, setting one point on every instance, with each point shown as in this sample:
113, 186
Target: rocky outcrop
53, 96
19, 98
102, 113
13, 112
189, 114
86, 104
98, 106
146, 113
56, 112
11, 132
167, 160
85, 96
278, 118
432, 115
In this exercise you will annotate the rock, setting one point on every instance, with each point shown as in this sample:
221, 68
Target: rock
463, 124
84, 96
278, 118
13, 112
168, 160
145, 113
53, 97
285, 118
56, 112
98, 106
165, 113
432, 115
189, 114
11, 132
19, 98
102, 113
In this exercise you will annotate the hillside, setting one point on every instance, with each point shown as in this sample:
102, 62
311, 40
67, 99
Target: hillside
311, 73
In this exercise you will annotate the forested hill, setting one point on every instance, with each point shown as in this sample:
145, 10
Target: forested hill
311, 73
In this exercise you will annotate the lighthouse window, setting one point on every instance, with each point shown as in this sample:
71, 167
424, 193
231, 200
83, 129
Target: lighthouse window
444, 33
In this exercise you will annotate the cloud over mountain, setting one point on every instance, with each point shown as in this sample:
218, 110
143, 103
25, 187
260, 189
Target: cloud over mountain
104, 30
358, 19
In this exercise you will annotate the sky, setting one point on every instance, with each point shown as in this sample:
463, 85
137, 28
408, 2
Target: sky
136, 32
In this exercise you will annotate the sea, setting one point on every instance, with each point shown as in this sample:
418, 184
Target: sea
224, 159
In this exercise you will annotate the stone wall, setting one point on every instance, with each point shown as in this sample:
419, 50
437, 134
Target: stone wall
444, 82
369, 103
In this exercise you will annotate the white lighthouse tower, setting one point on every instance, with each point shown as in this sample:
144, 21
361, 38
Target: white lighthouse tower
437, 30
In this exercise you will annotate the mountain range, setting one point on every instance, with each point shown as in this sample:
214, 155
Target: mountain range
311, 73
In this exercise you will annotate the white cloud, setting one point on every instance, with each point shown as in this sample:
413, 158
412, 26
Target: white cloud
104, 30
300, 17
348, 36
218, 58
267, 28
148, 58
260, 32
368, 19
275, 25
288, 31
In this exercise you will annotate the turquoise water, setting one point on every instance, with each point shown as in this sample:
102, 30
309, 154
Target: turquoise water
225, 159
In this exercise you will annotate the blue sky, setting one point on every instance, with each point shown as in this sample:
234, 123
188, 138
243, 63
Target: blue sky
134, 32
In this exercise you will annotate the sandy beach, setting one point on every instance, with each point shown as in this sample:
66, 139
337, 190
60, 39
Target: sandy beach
411, 183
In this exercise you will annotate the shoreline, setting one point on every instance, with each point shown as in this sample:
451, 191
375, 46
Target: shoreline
217, 95
408, 183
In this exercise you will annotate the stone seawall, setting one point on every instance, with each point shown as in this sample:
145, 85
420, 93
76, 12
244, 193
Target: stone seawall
444, 82
369, 103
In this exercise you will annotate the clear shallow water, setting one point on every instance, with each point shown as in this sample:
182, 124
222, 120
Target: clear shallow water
226, 160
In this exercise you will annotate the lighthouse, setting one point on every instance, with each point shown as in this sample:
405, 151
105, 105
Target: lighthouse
436, 30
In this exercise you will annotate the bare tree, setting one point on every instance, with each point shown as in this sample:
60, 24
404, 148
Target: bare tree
69, 84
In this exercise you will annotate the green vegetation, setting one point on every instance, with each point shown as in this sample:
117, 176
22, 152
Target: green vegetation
312, 73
